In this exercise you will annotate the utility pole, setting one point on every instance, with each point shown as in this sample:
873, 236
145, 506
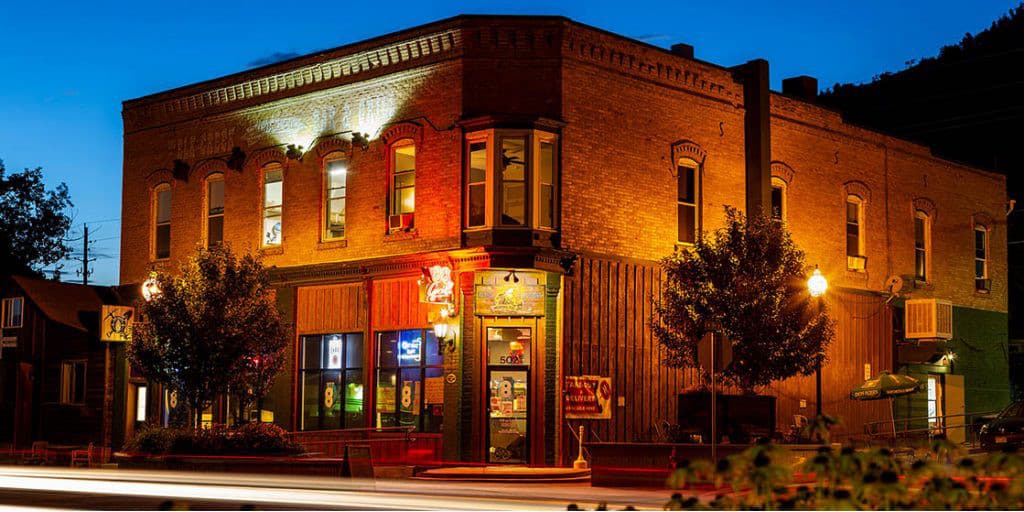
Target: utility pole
85, 259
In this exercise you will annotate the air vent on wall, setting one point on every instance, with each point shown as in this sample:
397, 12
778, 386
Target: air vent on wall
929, 319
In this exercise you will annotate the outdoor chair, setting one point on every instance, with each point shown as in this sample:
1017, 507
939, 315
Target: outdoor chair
83, 457
38, 455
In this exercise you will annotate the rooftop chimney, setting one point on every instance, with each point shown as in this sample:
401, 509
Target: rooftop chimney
803, 87
683, 50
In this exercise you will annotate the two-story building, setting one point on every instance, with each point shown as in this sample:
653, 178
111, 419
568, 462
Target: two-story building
464, 214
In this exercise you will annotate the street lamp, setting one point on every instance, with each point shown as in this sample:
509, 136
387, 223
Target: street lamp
817, 285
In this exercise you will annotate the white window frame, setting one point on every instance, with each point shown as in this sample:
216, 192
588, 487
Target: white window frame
861, 231
689, 163
6, 311
264, 208
394, 206
325, 213
779, 183
927, 245
980, 228
157, 224
207, 215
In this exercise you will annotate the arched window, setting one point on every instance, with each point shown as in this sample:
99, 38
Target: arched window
403, 184
335, 192
273, 204
162, 221
778, 211
214, 209
688, 199
922, 245
855, 258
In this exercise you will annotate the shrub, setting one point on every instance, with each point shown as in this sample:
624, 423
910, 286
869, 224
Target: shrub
248, 439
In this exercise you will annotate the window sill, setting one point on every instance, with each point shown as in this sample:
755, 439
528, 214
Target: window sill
327, 245
983, 293
272, 251
922, 285
402, 235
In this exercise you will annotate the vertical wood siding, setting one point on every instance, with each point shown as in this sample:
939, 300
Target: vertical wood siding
332, 308
396, 305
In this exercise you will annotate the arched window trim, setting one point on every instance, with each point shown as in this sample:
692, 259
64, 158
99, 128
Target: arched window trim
330, 193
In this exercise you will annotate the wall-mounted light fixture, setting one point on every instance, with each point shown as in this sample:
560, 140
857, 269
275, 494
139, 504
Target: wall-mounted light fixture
236, 161
180, 170
512, 275
293, 152
361, 139
444, 330
150, 288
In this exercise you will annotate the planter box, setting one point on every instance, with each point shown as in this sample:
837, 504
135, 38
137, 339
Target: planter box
743, 418
235, 464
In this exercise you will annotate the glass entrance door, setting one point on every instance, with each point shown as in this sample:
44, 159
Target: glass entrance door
508, 376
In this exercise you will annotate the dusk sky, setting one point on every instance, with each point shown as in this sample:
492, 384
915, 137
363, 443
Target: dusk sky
68, 65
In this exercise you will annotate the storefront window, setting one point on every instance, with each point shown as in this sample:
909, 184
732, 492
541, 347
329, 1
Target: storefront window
410, 384
332, 381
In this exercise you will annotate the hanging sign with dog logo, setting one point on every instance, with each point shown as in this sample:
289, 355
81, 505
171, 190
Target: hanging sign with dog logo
116, 323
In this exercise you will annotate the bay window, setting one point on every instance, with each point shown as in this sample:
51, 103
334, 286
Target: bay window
511, 179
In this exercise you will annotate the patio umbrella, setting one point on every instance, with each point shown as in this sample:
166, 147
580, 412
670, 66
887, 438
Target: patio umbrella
886, 385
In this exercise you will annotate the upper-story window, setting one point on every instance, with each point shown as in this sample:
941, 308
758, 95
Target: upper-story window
922, 245
511, 179
12, 309
855, 233
778, 204
335, 181
981, 281
214, 209
403, 177
273, 204
687, 200
162, 221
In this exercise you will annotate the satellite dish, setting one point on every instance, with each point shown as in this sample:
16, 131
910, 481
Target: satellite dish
894, 284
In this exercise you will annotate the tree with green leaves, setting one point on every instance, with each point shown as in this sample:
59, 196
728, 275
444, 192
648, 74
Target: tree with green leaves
33, 222
212, 329
746, 280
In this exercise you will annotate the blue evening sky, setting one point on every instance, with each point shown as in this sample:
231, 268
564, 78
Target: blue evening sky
66, 66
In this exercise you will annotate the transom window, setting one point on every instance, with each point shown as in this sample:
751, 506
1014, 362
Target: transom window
12, 312
162, 221
273, 204
410, 382
214, 209
922, 245
511, 179
687, 183
332, 382
335, 180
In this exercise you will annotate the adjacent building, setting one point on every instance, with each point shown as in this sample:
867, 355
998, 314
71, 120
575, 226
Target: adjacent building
466, 218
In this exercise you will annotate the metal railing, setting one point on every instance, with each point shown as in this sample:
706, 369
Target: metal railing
936, 426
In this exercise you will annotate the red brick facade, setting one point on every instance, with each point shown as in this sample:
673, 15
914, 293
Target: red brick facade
622, 112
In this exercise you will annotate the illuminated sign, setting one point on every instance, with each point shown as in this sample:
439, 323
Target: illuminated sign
409, 351
334, 353
511, 299
116, 323
436, 285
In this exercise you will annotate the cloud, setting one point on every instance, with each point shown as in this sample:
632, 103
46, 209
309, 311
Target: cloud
650, 38
272, 58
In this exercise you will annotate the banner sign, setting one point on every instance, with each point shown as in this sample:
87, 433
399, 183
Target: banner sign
511, 299
116, 323
588, 397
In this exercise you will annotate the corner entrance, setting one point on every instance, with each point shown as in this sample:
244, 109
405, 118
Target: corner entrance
508, 377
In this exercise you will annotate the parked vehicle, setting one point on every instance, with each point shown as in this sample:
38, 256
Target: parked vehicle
1007, 429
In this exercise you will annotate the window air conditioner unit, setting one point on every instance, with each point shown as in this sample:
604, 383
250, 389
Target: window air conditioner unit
983, 285
401, 222
858, 263
928, 319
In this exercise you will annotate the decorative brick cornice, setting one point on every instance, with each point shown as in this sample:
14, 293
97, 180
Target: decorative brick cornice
139, 114
688, 149
925, 205
404, 130
334, 144
859, 189
782, 171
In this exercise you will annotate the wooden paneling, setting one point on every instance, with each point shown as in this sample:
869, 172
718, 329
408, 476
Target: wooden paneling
608, 306
396, 305
333, 308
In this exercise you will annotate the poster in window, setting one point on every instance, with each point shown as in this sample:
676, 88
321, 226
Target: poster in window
410, 397
588, 397
116, 323
433, 390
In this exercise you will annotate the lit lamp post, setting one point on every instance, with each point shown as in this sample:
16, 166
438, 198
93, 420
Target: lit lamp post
817, 285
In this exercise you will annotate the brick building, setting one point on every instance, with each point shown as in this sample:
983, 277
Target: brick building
546, 166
